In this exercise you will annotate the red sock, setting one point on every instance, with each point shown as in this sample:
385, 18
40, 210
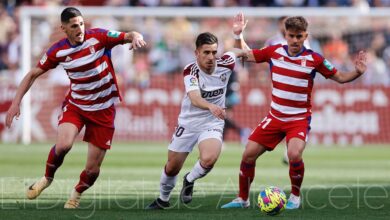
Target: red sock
53, 162
247, 173
297, 171
86, 180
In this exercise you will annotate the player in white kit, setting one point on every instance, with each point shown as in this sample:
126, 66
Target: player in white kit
201, 119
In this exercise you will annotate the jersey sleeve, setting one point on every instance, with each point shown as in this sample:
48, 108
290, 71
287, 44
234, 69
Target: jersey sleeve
191, 81
323, 66
48, 61
228, 60
264, 54
110, 38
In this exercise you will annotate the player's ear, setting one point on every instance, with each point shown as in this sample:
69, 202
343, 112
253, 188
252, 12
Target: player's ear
63, 28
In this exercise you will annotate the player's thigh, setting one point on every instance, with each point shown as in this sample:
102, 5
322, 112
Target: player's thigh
252, 151
175, 162
183, 140
295, 148
66, 134
210, 145
296, 137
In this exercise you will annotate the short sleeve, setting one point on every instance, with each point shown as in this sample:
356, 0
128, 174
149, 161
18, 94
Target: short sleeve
109, 37
228, 60
324, 67
264, 54
191, 83
47, 62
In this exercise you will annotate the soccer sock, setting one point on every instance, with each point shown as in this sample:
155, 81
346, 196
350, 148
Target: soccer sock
87, 179
198, 171
53, 162
247, 174
297, 171
167, 183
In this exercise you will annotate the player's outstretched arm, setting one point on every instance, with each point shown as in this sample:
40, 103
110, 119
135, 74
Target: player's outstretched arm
136, 39
244, 54
360, 68
198, 101
27, 82
239, 24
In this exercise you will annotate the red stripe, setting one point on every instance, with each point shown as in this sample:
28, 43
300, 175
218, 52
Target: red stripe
96, 101
290, 103
104, 87
291, 73
91, 78
291, 88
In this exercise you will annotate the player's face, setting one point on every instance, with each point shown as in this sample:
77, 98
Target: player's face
206, 57
74, 29
295, 41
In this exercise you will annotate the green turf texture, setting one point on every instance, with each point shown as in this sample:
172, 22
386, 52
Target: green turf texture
340, 183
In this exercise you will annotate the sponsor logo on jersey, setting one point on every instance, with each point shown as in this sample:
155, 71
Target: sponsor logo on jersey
43, 59
223, 77
209, 94
328, 65
113, 34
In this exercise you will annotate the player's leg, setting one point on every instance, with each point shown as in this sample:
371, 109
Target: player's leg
88, 176
66, 135
296, 142
209, 150
285, 159
265, 137
181, 145
168, 179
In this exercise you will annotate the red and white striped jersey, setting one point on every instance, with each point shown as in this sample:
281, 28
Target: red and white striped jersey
292, 79
88, 65
212, 88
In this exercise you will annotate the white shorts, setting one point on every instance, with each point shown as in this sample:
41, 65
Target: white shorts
184, 140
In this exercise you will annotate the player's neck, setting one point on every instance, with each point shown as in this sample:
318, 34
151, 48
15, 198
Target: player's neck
208, 72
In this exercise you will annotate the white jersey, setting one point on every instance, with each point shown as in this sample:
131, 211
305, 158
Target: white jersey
212, 88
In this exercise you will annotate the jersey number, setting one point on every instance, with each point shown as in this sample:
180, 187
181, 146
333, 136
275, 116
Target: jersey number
265, 122
179, 131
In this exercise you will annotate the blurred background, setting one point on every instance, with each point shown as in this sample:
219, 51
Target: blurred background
150, 79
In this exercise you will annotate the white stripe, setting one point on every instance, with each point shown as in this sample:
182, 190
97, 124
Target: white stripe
291, 66
283, 52
87, 43
92, 85
82, 60
290, 80
287, 110
289, 95
89, 73
99, 106
94, 96
287, 119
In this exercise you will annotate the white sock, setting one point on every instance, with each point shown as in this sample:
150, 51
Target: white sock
197, 172
167, 183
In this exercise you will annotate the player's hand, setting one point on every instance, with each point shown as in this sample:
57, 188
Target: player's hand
239, 23
13, 111
137, 41
217, 111
361, 62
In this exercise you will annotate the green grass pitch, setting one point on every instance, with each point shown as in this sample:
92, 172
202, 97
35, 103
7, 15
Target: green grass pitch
340, 183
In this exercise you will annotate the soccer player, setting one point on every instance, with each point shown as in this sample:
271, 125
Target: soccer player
293, 68
85, 56
200, 121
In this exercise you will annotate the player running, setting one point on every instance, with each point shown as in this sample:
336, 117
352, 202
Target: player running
293, 68
201, 119
85, 56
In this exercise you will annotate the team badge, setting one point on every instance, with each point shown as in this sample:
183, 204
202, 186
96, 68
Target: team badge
113, 34
328, 65
92, 49
193, 81
223, 77
303, 62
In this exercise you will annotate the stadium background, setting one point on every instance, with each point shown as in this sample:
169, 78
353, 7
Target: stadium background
344, 116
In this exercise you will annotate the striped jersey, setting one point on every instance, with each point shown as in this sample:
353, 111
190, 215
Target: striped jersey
292, 79
88, 65
212, 88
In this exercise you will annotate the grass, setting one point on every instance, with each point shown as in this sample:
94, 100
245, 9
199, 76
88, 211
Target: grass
340, 183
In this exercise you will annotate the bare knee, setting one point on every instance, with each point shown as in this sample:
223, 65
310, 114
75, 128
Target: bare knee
294, 155
209, 161
171, 169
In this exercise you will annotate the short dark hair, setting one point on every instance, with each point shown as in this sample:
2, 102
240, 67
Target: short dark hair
206, 38
68, 13
297, 23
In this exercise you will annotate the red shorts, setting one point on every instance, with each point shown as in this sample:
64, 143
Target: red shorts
99, 125
271, 131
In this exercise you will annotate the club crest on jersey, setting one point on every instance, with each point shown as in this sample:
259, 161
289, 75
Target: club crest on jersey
223, 77
43, 59
328, 65
92, 49
303, 62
